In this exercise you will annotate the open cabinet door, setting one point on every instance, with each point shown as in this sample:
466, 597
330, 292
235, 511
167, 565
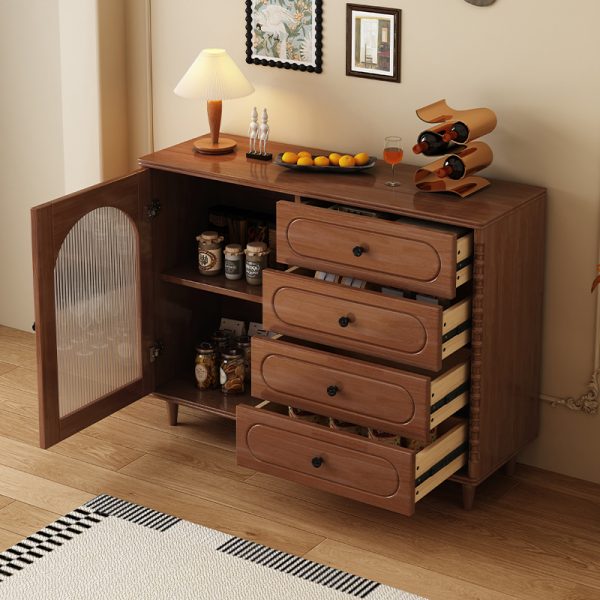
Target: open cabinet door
92, 268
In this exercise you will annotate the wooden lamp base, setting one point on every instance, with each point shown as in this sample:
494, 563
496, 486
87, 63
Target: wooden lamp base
213, 144
205, 145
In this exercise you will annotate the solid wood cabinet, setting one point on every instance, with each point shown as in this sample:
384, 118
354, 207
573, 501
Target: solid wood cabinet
120, 307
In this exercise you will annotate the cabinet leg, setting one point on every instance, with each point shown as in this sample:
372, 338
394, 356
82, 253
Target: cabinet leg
510, 467
173, 409
468, 495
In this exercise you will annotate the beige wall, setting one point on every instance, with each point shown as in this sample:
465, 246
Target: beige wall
535, 63
74, 108
31, 148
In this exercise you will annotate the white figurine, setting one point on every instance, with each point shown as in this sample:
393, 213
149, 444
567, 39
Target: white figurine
253, 131
263, 133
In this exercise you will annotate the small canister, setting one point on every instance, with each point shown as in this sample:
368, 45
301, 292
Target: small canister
210, 253
206, 366
232, 371
256, 261
244, 344
234, 261
221, 340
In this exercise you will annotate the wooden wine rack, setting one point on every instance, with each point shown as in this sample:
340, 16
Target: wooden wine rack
476, 155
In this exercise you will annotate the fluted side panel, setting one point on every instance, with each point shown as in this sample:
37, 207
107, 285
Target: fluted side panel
96, 282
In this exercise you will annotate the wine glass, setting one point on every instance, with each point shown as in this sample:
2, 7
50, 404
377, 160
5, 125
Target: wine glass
392, 154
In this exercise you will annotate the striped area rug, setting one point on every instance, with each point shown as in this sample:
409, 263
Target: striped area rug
112, 549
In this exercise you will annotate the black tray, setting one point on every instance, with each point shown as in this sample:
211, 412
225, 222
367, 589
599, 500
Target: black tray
328, 169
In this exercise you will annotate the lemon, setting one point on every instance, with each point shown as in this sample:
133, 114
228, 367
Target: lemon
362, 158
305, 161
290, 157
347, 161
304, 153
334, 158
322, 161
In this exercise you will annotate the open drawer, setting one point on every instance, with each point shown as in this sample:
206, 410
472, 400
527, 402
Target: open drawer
407, 331
358, 391
346, 464
423, 257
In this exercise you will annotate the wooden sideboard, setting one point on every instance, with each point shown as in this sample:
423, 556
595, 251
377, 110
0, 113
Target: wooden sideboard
120, 307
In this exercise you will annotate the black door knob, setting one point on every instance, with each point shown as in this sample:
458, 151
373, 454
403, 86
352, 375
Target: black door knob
358, 250
332, 390
317, 461
344, 321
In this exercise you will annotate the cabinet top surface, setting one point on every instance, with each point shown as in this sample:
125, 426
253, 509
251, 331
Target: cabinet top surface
366, 189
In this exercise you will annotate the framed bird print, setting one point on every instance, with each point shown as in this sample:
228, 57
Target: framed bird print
285, 34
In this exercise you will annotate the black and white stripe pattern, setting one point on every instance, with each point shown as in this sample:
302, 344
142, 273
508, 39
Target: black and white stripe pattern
299, 567
50, 538
114, 507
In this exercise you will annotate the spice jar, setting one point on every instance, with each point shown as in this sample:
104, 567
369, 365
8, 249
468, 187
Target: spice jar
206, 366
234, 261
244, 344
232, 371
256, 260
221, 340
210, 253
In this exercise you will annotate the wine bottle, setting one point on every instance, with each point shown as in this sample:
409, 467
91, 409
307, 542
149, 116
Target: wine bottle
431, 143
454, 168
458, 133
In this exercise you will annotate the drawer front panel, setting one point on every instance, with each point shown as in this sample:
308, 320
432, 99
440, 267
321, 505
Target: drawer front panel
346, 465
360, 320
385, 252
344, 388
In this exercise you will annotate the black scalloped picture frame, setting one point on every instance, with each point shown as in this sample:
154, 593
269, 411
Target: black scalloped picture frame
276, 24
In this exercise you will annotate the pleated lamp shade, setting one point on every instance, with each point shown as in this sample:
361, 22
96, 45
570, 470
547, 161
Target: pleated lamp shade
214, 77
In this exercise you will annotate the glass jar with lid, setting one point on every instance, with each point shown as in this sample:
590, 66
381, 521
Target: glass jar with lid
256, 261
206, 366
245, 345
232, 371
234, 261
210, 253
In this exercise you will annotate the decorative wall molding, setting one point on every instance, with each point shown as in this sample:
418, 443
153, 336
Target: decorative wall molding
588, 403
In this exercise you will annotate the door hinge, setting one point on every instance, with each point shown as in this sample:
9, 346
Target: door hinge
156, 350
153, 209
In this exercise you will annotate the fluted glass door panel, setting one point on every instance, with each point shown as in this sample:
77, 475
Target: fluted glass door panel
97, 300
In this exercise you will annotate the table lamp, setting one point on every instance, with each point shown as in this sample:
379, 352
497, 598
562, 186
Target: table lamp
214, 77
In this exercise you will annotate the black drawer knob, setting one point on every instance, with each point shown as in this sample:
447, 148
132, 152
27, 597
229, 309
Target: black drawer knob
317, 461
344, 321
332, 390
358, 250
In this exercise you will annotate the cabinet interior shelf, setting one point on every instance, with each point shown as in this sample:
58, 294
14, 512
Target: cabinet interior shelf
188, 276
184, 392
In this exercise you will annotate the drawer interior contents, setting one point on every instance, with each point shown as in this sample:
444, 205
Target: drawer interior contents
346, 459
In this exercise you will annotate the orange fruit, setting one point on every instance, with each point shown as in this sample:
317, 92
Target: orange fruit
334, 158
362, 158
304, 153
305, 161
347, 161
322, 161
290, 158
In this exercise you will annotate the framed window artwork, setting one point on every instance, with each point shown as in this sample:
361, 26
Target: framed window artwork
285, 34
373, 42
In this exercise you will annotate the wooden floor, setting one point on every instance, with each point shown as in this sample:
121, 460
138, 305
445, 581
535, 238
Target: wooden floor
535, 535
